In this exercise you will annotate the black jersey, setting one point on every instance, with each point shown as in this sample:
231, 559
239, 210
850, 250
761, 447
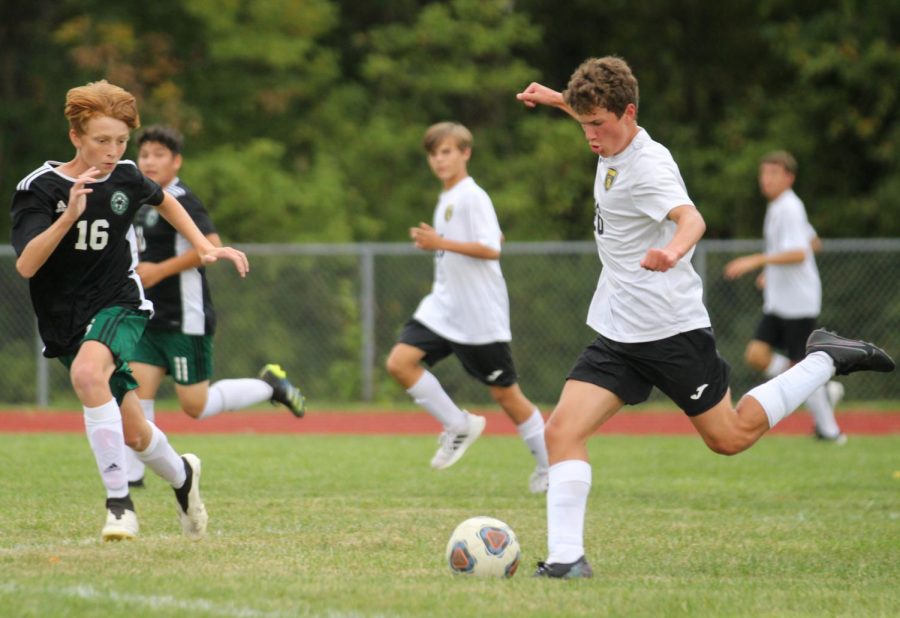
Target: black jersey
93, 266
181, 303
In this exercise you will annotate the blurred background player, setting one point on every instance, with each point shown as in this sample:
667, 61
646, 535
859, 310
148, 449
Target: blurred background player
178, 340
467, 311
652, 326
72, 231
792, 290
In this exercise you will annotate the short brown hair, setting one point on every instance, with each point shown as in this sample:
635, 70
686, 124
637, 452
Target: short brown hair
436, 134
602, 82
100, 99
782, 158
170, 137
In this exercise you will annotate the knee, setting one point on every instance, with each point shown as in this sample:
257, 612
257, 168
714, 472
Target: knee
135, 441
727, 446
87, 378
399, 367
756, 358
556, 435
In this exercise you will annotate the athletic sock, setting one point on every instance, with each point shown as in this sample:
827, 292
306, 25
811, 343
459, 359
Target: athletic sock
532, 432
160, 457
778, 365
229, 395
136, 466
103, 426
823, 414
784, 393
570, 484
429, 394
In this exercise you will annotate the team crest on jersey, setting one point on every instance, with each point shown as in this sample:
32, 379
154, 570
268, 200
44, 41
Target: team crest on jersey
611, 174
118, 202
448, 213
151, 218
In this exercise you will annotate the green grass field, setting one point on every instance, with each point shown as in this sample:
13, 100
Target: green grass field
356, 526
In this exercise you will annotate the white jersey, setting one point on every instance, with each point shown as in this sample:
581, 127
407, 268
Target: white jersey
468, 302
634, 192
792, 290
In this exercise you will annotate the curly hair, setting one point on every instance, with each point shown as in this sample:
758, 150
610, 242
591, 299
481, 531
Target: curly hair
100, 99
602, 82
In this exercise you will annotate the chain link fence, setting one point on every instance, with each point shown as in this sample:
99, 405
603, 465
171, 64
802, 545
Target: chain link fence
329, 314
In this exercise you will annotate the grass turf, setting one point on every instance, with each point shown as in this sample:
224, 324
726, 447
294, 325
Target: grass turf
357, 525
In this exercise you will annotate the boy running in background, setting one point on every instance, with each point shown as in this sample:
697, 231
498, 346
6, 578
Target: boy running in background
72, 231
178, 340
467, 311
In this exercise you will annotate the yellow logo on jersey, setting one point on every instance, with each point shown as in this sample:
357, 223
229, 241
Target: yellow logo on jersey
448, 213
611, 174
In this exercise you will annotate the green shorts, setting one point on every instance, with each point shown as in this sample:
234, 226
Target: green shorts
119, 329
187, 358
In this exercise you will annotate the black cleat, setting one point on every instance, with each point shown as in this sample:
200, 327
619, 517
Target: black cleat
136, 483
849, 355
283, 392
580, 569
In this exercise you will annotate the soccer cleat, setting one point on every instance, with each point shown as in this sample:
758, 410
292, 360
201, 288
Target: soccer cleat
835, 392
839, 440
539, 480
580, 569
136, 483
454, 445
121, 520
191, 510
283, 392
849, 355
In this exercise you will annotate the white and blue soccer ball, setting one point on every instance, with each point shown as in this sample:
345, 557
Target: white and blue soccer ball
484, 547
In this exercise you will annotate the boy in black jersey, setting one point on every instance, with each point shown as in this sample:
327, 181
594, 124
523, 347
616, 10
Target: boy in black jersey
72, 232
178, 339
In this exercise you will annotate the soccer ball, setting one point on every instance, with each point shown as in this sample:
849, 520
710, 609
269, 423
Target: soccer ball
485, 547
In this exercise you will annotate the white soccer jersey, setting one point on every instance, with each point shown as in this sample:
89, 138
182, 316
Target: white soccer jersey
468, 302
634, 192
792, 290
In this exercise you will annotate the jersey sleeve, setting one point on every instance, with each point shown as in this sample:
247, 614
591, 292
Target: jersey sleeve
198, 213
660, 189
30, 216
793, 231
484, 228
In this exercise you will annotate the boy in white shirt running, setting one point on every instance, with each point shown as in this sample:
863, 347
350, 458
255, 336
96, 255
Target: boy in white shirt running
467, 311
648, 312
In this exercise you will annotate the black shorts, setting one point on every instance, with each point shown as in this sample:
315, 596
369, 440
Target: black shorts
788, 335
686, 367
490, 363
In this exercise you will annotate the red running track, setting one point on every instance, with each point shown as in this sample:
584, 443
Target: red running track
340, 422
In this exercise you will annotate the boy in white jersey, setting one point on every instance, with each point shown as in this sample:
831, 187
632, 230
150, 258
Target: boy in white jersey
792, 293
467, 311
72, 232
648, 310
178, 340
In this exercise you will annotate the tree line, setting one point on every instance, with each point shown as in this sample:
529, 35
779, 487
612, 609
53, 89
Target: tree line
303, 119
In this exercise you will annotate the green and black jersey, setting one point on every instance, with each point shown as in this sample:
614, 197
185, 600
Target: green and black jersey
93, 266
181, 303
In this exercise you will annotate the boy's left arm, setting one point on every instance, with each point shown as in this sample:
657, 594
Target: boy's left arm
177, 216
427, 238
689, 229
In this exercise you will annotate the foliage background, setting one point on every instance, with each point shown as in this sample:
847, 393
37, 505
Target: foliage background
304, 118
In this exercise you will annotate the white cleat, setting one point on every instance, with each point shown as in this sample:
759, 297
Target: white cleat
121, 524
454, 445
539, 480
191, 510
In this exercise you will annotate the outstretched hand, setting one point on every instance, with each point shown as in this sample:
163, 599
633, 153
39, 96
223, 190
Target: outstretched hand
537, 94
739, 267
227, 253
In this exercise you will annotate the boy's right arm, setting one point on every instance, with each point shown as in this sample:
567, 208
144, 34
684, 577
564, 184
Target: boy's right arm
537, 94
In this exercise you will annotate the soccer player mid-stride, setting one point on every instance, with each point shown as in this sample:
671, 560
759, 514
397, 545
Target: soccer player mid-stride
467, 311
178, 339
653, 329
72, 231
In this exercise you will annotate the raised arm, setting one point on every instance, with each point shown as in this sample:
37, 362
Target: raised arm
177, 216
689, 229
537, 94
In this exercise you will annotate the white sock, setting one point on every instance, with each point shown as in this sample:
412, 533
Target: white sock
160, 457
135, 465
229, 395
823, 413
783, 394
532, 432
570, 484
103, 426
429, 394
778, 365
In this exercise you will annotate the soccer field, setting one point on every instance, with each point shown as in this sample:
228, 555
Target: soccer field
315, 525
